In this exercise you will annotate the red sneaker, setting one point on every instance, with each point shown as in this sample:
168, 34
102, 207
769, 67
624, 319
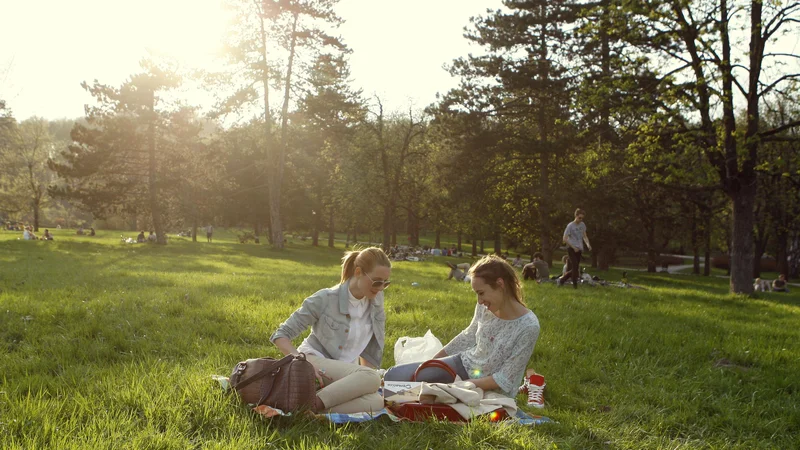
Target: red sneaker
535, 386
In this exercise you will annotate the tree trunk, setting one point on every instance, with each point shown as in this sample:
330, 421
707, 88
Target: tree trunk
412, 228
498, 244
695, 245
606, 254
781, 253
474, 247
438, 243
315, 231
707, 245
459, 241
36, 216
482, 252
152, 185
651, 250
388, 220
194, 229
759, 246
742, 239
275, 182
331, 231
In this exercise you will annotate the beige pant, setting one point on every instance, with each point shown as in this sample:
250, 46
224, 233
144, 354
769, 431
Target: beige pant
353, 388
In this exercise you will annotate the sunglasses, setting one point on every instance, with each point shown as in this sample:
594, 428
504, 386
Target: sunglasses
378, 283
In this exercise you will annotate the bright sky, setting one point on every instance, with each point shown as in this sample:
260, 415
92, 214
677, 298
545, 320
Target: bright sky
50, 46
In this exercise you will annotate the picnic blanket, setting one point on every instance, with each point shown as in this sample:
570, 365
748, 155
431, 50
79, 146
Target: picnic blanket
519, 416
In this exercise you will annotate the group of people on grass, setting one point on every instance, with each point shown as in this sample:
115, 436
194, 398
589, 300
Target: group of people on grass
141, 239
778, 285
29, 235
82, 231
348, 329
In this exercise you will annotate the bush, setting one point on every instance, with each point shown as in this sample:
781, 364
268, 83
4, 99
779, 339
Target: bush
247, 236
671, 260
768, 264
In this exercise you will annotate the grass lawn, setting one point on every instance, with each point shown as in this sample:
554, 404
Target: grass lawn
108, 345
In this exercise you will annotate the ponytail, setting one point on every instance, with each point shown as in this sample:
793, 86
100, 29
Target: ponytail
349, 265
367, 259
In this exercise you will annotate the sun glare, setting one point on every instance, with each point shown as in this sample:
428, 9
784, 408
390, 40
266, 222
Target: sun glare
188, 31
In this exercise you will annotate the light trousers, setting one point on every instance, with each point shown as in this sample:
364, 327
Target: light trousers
352, 388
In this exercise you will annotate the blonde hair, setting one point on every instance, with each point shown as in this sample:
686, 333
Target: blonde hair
366, 258
491, 267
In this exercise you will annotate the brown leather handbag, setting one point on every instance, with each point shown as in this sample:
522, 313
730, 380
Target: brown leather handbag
286, 384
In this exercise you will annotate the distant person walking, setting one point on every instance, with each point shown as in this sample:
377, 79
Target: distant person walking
574, 236
209, 232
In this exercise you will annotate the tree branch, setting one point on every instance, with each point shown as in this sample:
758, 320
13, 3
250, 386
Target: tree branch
776, 82
779, 130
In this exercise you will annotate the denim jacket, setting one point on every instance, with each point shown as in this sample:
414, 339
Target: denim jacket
328, 315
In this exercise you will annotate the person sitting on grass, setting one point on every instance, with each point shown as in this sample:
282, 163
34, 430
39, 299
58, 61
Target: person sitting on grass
566, 271
517, 261
348, 326
140, 239
493, 351
151, 237
537, 270
456, 272
28, 235
779, 285
92, 232
761, 285
47, 236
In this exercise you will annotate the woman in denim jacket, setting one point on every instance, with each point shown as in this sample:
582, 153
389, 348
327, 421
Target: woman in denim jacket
348, 325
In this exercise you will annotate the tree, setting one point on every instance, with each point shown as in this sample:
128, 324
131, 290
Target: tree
326, 120
529, 97
696, 38
28, 147
116, 161
392, 143
261, 29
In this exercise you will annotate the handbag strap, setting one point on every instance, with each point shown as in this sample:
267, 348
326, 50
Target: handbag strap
275, 365
434, 363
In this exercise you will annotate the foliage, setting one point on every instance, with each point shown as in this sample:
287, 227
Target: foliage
98, 352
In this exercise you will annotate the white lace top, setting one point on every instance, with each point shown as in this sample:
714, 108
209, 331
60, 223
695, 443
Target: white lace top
497, 347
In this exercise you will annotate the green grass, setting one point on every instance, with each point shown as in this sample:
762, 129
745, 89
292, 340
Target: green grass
108, 345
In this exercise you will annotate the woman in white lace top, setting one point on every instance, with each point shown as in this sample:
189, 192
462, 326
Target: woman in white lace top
493, 351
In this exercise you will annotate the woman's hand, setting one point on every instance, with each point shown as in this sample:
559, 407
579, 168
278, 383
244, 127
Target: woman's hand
321, 377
